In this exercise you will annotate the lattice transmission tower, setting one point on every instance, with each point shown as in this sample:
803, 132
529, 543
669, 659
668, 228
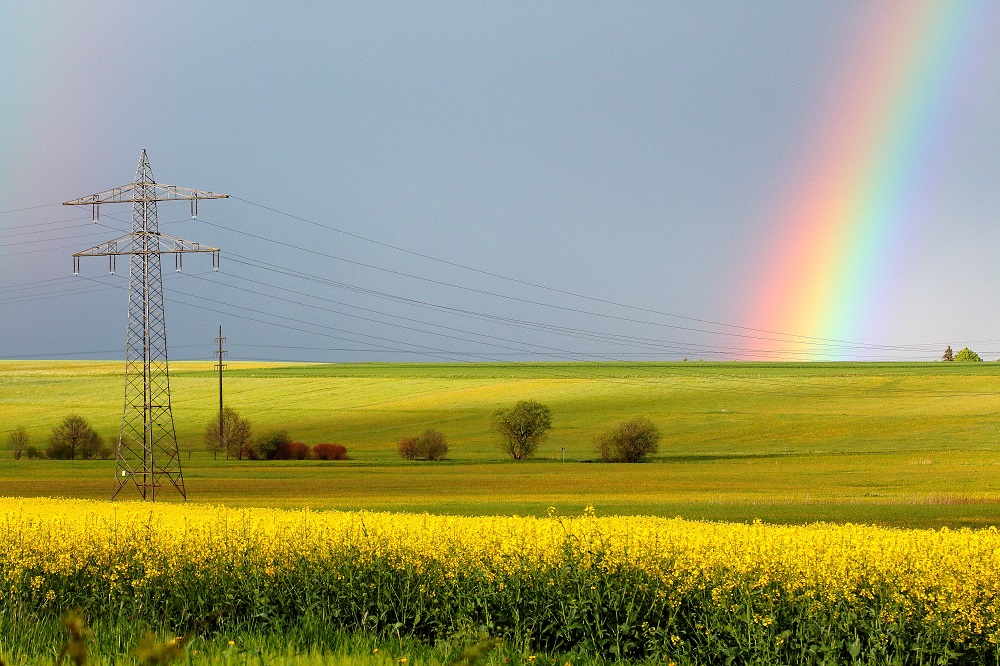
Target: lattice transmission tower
147, 446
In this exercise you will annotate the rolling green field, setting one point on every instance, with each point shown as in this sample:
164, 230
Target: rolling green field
898, 444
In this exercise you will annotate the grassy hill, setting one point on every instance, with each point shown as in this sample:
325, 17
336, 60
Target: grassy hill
912, 444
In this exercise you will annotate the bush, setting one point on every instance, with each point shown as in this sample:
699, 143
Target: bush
292, 451
329, 452
522, 428
105, 452
431, 445
73, 438
409, 448
265, 446
629, 441
33, 452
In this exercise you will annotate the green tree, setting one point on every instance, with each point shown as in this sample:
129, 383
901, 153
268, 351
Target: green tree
18, 440
967, 354
74, 438
522, 428
948, 354
236, 432
629, 441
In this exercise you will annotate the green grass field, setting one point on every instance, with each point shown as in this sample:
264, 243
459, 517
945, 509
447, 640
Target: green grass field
898, 444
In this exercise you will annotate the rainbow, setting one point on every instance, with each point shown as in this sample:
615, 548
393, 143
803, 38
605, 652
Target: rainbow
862, 190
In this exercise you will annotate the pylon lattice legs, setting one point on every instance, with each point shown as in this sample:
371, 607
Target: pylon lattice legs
147, 446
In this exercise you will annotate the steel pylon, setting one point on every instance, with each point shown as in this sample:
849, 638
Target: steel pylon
147, 453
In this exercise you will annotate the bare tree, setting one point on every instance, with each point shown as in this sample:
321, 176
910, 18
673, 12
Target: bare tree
236, 435
72, 438
18, 439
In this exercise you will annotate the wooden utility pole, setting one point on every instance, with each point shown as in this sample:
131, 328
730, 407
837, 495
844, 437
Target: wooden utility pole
220, 365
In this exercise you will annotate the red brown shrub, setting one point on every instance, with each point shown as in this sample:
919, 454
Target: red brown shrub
329, 452
409, 448
292, 451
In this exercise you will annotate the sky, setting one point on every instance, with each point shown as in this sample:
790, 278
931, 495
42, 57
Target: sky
512, 181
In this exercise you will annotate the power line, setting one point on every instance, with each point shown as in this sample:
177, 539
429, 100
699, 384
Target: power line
21, 210
834, 343
496, 318
541, 286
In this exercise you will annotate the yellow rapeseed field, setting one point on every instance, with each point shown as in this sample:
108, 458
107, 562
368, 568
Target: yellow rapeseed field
623, 586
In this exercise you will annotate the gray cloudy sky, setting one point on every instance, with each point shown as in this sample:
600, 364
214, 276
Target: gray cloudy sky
633, 153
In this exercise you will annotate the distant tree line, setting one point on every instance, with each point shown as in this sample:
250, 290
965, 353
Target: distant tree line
72, 439
520, 428
964, 355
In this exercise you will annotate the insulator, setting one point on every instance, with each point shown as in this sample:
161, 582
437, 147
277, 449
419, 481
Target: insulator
178, 262
111, 263
194, 208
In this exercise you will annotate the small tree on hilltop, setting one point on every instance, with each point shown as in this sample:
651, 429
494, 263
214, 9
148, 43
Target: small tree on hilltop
948, 354
629, 441
236, 434
522, 428
18, 440
73, 438
967, 354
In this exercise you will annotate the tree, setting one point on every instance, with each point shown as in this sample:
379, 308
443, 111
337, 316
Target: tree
967, 354
522, 428
236, 433
73, 437
18, 439
629, 441
431, 445
948, 354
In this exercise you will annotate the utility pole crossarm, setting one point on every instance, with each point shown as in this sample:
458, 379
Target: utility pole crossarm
156, 244
144, 192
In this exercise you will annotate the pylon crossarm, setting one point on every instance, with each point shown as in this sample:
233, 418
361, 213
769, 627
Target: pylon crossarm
155, 244
144, 192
